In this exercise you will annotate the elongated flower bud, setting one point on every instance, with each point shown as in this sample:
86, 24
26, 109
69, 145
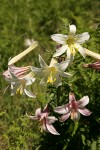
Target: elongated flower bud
92, 54
21, 55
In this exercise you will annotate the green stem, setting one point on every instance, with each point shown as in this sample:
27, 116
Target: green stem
58, 95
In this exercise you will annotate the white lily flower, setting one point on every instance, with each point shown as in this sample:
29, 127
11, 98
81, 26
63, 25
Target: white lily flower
19, 84
70, 43
53, 72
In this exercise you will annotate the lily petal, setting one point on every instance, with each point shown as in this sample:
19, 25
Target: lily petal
70, 56
51, 119
57, 82
64, 65
81, 38
64, 74
44, 128
60, 51
85, 111
81, 50
53, 61
72, 29
59, 38
62, 109
38, 112
42, 62
36, 70
29, 93
32, 117
71, 97
64, 117
51, 129
83, 102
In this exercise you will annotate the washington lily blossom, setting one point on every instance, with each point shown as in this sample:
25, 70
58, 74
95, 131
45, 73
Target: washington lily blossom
73, 108
70, 43
45, 120
19, 84
51, 74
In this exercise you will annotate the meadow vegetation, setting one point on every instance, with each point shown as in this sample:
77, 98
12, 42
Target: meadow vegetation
22, 19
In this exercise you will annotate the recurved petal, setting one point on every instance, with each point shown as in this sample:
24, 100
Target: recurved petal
53, 61
51, 129
60, 51
42, 62
57, 81
29, 80
72, 97
64, 117
51, 119
59, 38
65, 74
72, 29
32, 117
12, 75
81, 38
64, 65
85, 111
29, 93
37, 71
44, 79
81, 50
44, 127
61, 109
38, 112
83, 102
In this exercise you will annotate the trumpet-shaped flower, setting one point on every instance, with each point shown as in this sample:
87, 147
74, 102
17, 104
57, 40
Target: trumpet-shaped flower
73, 108
19, 81
70, 43
53, 72
45, 120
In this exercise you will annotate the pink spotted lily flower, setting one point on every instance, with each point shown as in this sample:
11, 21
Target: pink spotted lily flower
45, 120
73, 108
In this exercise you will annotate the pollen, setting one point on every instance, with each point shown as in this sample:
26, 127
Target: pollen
50, 79
19, 91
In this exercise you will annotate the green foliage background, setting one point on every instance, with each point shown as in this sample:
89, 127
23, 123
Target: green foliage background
38, 19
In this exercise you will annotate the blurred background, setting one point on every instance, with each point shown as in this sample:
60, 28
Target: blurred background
38, 19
